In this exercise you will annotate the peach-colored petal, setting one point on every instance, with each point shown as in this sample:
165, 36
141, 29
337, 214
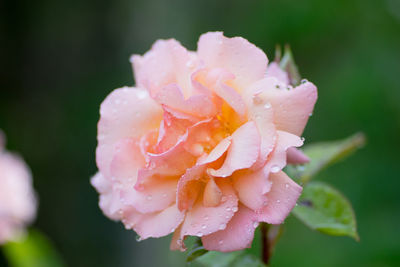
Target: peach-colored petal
176, 241
198, 105
125, 113
159, 224
212, 194
251, 187
261, 113
243, 151
277, 160
246, 61
217, 152
167, 62
281, 199
296, 156
275, 71
158, 194
201, 220
189, 186
127, 159
238, 234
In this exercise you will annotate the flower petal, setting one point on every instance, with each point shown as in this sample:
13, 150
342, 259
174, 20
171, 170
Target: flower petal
251, 187
125, 113
281, 199
238, 234
296, 156
275, 71
243, 151
201, 220
149, 224
199, 105
167, 62
246, 61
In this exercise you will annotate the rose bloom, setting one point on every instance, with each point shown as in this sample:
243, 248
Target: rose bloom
198, 146
17, 198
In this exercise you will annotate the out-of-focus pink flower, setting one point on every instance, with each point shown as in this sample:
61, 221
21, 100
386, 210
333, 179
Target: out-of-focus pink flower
17, 198
198, 146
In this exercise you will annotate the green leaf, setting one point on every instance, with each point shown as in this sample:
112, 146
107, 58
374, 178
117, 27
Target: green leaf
325, 154
325, 209
231, 259
287, 64
35, 250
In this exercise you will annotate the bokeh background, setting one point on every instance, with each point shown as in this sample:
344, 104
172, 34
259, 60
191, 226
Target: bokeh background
60, 59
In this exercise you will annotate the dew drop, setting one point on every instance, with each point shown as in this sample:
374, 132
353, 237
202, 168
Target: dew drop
228, 209
286, 185
278, 201
221, 242
203, 226
235, 209
206, 218
303, 139
222, 226
199, 234
303, 81
149, 197
267, 106
255, 224
275, 169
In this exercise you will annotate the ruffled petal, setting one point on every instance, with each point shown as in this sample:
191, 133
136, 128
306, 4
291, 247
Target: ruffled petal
238, 234
281, 199
199, 105
251, 187
159, 224
246, 61
201, 220
109, 200
125, 113
243, 151
167, 62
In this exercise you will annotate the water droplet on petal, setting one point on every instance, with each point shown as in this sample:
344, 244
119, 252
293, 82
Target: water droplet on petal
220, 242
275, 169
286, 185
235, 209
203, 226
303, 81
278, 201
228, 209
267, 106
199, 234
149, 197
222, 226
138, 238
255, 224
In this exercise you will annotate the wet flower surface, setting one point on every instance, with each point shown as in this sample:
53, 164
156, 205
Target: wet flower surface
198, 146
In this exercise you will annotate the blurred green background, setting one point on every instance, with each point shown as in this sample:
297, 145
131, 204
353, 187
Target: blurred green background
60, 59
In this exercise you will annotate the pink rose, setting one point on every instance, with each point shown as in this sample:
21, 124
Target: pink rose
17, 198
198, 146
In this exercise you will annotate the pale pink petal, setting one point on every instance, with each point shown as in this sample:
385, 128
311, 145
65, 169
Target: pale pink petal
199, 105
277, 160
275, 71
243, 151
158, 194
127, 160
281, 199
293, 107
246, 61
296, 156
125, 113
159, 224
201, 220
261, 113
167, 62
238, 234
251, 187
109, 200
